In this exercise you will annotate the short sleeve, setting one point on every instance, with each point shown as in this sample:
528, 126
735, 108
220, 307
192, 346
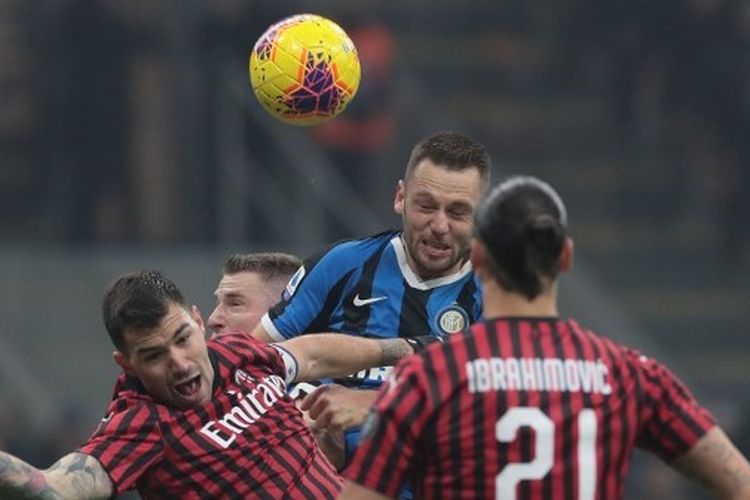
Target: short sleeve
126, 443
311, 294
291, 367
392, 432
672, 421
301, 302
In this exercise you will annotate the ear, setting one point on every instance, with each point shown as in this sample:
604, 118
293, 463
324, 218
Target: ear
566, 256
398, 202
195, 313
122, 361
478, 255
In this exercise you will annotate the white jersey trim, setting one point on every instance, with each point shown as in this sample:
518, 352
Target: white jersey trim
271, 329
415, 281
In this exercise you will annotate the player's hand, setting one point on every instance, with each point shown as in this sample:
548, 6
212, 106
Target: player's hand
335, 407
331, 443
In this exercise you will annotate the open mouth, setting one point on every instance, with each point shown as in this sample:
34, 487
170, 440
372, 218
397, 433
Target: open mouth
436, 249
189, 388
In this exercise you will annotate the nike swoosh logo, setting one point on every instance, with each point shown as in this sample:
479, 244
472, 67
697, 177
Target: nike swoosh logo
364, 302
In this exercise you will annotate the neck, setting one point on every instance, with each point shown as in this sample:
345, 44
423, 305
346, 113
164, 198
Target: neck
499, 302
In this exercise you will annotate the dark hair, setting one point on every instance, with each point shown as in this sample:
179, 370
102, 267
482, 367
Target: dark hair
452, 151
272, 266
523, 224
139, 299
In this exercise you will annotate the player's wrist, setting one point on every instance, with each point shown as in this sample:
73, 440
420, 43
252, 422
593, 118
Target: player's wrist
420, 342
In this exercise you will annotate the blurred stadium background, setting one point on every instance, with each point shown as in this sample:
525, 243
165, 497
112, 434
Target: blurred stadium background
129, 138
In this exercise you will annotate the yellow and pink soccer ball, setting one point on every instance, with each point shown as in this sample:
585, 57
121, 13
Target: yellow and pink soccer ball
304, 69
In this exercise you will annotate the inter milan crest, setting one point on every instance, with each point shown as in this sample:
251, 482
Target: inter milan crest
451, 319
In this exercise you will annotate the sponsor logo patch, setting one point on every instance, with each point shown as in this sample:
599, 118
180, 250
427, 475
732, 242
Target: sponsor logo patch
294, 282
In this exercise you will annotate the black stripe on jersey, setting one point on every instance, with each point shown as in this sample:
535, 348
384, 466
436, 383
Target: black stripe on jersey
686, 418
466, 299
524, 434
196, 486
355, 318
127, 450
276, 454
606, 431
284, 428
248, 474
454, 419
478, 419
139, 462
543, 397
626, 433
663, 433
431, 429
326, 475
414, 312
215, 476
323, 319
493, 336
263, 464
398, 444
154, 489
566, 411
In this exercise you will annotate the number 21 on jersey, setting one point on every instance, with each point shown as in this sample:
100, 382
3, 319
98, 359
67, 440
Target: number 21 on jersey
544, 429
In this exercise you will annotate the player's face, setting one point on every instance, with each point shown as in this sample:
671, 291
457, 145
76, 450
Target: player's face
171, 360
241, 300
437, 206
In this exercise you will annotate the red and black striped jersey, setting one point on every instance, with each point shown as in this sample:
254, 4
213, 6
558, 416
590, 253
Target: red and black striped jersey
249, 441
532, 408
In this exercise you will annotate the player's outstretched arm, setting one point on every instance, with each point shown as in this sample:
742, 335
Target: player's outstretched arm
75, 476
323, 355
260, 333
715, 462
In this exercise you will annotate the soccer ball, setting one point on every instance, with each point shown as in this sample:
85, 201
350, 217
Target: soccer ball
304, 69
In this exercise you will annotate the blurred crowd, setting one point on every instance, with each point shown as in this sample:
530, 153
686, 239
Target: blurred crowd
109, 106
677, 74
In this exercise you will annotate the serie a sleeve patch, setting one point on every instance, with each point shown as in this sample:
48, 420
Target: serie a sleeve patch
291, 367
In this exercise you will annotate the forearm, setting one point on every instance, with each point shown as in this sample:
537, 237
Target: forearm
716, 463
21, 480
338, 355
74, 476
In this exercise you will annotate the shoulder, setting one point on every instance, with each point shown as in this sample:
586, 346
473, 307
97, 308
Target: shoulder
351, 252
233, 342
233, 348
128, 414
236, 350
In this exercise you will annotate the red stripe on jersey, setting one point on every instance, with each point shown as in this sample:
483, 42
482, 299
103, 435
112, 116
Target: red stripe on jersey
527, 408
248, 441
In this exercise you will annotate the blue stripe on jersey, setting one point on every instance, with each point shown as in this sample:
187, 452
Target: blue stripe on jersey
363, 287
388, 282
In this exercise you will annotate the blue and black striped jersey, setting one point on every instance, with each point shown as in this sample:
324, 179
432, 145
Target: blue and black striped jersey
366, 287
